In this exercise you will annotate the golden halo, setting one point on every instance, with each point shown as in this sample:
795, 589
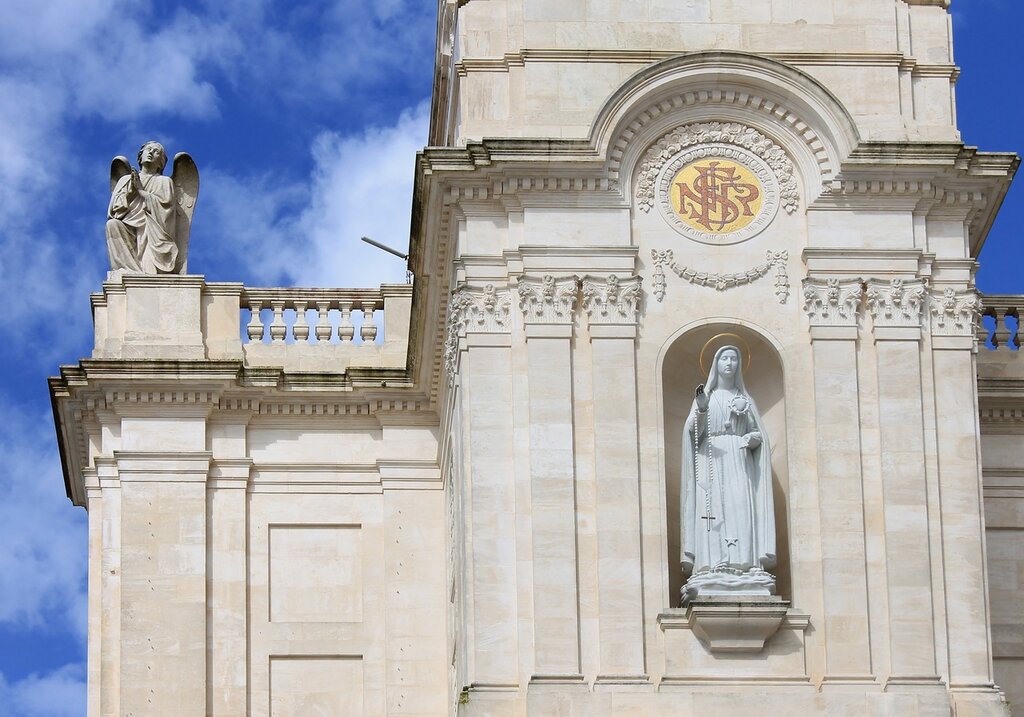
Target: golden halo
718, 343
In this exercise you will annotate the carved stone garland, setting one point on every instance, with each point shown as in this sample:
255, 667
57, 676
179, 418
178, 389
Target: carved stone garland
702, 133
474, 310
721, 282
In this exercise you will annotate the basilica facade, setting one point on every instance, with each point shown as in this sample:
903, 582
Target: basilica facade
692, 406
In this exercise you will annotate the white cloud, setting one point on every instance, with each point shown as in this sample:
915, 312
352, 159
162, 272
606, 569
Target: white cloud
60, 693
310, 235
43, 562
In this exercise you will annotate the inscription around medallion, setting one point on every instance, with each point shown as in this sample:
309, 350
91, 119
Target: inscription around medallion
718, 194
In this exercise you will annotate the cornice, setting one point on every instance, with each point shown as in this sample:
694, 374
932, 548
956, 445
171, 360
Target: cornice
521, 58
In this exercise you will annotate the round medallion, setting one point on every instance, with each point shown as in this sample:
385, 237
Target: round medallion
718, 194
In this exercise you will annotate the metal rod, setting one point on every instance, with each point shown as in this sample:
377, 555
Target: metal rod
386, 248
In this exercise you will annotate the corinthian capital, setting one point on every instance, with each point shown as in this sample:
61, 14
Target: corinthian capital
955, 313
832, 302
611, 300
898, 302
548, 300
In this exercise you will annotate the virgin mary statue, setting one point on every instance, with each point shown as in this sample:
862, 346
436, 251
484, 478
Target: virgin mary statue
728, 519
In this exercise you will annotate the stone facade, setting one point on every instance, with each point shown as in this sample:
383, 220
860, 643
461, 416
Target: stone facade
470, 504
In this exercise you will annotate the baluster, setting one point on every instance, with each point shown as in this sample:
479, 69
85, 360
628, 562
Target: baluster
346, 330
278, 328
255, 326
323, 322
1002, 334
369, 329
301, 328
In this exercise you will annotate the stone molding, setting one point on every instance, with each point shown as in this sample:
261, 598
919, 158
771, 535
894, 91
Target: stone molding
719, 281
955, 313
548, 300
666, 149
482, 310
896, 303
612, 300
831, 302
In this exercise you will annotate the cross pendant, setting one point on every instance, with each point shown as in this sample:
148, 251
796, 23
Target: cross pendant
708, 518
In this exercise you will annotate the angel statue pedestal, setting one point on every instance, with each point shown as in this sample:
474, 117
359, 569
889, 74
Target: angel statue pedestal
728, 516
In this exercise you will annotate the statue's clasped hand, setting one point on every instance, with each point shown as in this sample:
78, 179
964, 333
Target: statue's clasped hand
752, 440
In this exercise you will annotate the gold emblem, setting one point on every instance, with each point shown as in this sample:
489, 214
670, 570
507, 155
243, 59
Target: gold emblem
716, 195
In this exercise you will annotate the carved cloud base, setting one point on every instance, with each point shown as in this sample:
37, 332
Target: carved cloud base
728, 582
735, 623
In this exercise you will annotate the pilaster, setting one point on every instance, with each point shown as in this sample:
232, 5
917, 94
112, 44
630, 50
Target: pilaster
896, 307
163, 583
612, 306
479, 354
954, 318
548, 305
833, 311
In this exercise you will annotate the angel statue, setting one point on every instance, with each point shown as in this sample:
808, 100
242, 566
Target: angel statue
728, 521
150, 215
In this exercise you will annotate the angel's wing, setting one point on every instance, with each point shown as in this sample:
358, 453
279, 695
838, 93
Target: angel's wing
185, 177
118, 168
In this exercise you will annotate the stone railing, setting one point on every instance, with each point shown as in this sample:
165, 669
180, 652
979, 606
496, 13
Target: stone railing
307, 330
1000, 324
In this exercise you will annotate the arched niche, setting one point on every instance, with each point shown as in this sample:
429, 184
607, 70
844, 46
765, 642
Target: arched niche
680, 375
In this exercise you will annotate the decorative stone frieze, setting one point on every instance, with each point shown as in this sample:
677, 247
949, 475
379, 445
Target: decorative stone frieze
669, 147
955, 313
721, 281
548, 300
611, 300
897, 303
832, 302
484, 311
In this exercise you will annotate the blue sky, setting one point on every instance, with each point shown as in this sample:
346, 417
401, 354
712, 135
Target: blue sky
304, 120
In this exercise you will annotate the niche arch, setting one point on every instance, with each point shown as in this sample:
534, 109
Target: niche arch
679, 373
780, 101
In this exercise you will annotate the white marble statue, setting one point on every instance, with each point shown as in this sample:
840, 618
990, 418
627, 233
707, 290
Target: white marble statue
728, 520
150, 215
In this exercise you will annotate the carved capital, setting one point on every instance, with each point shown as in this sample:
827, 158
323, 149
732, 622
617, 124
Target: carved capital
897, 303
955, 313
832, 302
611, 300
548, 300
475, 310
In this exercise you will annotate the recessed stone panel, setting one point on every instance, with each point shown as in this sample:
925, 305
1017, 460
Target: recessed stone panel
316, 573
316, 686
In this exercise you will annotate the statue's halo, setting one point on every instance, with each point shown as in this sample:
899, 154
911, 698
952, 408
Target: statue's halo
724, 339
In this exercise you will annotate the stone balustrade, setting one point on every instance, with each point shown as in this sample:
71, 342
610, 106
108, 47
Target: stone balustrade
1000, 325
300, 330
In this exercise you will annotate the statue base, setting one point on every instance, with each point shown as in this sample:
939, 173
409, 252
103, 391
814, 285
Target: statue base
728, 582
736, 623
